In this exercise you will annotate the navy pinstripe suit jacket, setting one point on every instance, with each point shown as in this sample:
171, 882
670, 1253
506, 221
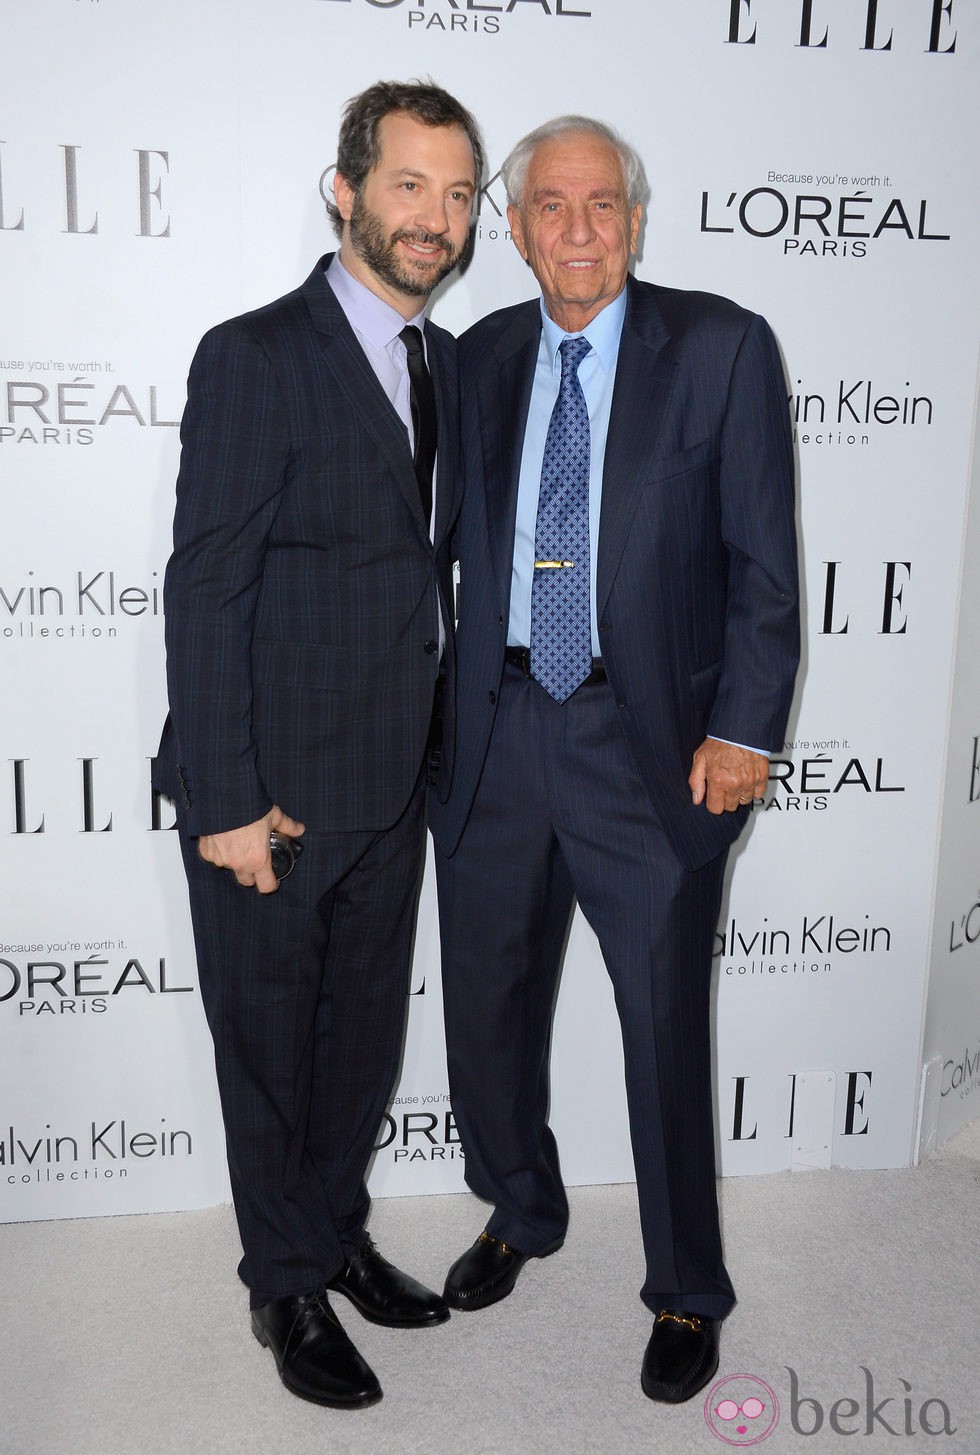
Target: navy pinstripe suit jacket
302, 598
696, 570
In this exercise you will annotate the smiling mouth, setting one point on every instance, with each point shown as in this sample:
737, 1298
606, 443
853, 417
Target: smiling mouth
423, 247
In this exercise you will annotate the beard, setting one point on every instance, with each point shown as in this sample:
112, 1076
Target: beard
379, 251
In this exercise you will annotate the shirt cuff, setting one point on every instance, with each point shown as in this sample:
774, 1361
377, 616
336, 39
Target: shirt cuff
761, 751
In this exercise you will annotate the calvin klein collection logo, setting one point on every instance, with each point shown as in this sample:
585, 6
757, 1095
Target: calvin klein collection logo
491, 202
842, 412
962, 1076
751, 950
106, 1150
39, 609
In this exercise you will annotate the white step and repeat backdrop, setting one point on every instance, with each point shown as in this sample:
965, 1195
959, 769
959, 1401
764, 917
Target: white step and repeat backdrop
161, 167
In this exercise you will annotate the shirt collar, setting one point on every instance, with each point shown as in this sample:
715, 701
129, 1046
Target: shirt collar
603, 333
375, 319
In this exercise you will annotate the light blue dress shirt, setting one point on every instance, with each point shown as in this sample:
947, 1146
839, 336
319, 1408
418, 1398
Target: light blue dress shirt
596, 373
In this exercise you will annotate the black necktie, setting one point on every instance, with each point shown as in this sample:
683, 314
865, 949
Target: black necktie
423, 401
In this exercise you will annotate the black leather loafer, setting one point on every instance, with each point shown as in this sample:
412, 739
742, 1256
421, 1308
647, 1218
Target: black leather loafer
313, 1354
385, 1295
486, 1273
681, 1357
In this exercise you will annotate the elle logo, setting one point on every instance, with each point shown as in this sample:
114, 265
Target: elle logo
151, 167
937, 14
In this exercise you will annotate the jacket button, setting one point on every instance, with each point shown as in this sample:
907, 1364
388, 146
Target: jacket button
493, 696
431, 647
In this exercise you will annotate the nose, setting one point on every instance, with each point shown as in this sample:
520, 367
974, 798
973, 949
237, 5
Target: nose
580, 230
432, 214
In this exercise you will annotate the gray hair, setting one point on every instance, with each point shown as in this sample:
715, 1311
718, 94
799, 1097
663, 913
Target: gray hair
515, 167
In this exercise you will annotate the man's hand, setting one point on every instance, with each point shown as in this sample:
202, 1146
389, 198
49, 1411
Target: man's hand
724, 777
245, 851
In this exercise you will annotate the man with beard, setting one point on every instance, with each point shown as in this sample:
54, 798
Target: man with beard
307, 631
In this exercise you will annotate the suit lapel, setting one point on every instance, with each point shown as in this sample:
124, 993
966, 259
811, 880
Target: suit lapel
641, 396
347, 362
503, 401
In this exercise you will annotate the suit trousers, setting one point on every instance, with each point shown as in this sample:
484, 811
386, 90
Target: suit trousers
305, 992
562, 813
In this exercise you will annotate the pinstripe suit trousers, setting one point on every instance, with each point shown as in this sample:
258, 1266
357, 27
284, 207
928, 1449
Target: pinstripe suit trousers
560, 814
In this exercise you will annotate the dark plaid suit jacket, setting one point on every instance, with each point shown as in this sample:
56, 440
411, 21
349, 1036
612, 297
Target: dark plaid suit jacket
303, 595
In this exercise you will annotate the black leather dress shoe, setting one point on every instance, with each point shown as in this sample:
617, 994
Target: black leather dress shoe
313, 1354
486, 1272
384, 1294
681, 1356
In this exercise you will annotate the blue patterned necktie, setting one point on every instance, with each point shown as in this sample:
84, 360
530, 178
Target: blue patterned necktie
561, 624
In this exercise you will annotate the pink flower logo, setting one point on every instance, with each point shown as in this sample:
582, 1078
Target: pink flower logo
741, 1409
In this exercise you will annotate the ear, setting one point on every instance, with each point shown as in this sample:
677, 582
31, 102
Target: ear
635, 218
344, 195
517, 230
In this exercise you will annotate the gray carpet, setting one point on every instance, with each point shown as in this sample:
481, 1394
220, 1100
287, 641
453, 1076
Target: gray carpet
129, 1336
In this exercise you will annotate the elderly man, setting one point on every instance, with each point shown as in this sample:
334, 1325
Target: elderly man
626, 650
307, 605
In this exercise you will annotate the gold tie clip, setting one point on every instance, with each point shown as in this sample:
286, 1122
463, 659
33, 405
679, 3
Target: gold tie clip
551, 565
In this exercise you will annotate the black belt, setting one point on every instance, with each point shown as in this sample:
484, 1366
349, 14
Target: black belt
521, 657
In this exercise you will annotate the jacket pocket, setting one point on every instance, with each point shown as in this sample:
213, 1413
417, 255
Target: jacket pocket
669, 467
